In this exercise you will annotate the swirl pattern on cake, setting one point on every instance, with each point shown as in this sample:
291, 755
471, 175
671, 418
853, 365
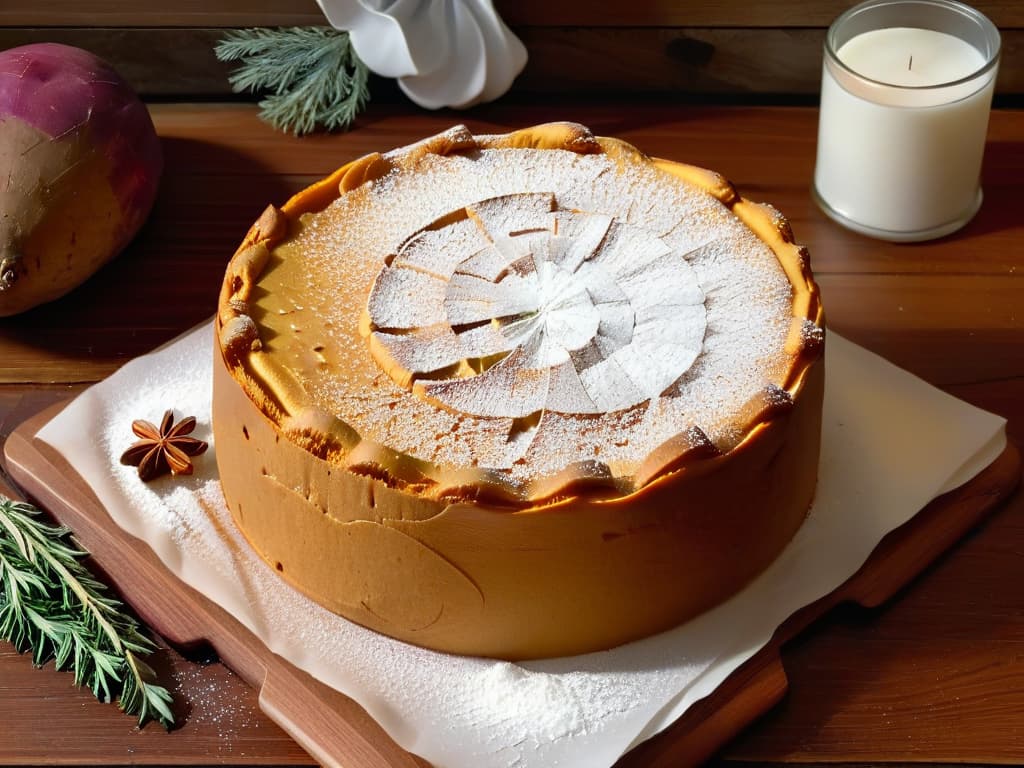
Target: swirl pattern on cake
517, 306
524, 319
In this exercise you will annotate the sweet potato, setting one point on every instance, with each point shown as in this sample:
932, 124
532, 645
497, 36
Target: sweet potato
79, 168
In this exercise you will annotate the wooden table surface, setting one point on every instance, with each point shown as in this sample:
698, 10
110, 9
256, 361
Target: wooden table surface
936, 676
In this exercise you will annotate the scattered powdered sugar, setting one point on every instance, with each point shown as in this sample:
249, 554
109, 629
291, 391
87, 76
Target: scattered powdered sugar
579, 712
210, 701
589, 316
457, 711
633, 385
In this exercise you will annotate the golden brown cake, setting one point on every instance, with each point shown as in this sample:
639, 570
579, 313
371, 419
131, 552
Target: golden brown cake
518, 396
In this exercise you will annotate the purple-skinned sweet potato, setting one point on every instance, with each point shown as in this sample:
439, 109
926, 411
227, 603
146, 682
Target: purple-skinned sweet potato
79, 168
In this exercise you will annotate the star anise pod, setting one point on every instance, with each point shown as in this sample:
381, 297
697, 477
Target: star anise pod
164, 449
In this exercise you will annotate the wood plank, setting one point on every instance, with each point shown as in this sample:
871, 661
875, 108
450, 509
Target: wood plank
518, 13
224, 166
706, 13
584, 62
696, 60
205, 215
155, 62
217, 712
959, 624
949, 330
151, 13
313, 714
876, 672
777, 143
221, 719
339, 733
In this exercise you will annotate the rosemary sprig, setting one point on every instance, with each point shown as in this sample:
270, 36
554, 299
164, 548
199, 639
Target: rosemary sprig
50, 603
312, 74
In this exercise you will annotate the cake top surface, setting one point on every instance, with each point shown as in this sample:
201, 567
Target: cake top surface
484, 309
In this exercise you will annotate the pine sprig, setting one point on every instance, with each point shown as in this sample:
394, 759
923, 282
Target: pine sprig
52, 605
312, 74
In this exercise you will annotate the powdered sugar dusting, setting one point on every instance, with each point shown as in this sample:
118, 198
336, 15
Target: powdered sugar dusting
653, 354
575, 712
582, 314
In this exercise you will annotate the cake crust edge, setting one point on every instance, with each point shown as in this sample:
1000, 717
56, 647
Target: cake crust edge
283, 400
468, 565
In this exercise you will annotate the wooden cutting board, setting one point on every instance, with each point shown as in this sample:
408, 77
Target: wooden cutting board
338, 732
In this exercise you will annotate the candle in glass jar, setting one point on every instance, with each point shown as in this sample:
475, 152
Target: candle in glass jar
904, 114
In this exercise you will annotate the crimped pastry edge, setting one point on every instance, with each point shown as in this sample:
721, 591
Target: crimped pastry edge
282, 400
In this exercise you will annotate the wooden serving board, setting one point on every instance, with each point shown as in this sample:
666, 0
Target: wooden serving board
338, 732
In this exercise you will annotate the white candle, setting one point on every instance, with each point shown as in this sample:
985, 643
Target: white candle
904, 114
910, 57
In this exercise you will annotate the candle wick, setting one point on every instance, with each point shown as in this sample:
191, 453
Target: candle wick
911, 64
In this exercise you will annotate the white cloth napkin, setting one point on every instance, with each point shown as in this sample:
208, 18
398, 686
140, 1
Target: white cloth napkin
891, 443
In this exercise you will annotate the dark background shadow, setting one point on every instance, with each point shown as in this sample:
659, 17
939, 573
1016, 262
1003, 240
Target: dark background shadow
168, 278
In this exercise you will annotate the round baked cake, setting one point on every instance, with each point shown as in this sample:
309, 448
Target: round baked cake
518, 396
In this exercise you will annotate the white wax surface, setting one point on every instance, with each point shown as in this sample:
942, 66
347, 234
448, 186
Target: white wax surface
901, 151
911, 57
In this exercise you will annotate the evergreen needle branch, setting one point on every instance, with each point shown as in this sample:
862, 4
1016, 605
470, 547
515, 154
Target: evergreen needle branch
51, 603
311, 75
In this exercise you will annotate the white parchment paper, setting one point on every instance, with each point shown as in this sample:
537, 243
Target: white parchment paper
891, 443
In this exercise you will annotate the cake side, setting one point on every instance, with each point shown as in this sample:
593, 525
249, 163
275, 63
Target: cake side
573, 576
472, 559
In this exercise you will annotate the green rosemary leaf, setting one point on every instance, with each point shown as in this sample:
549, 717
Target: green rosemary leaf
13, 531
140, 695
45, 633
62, 652
8, 623
52, 605
16, 581
106, 668
312, 75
